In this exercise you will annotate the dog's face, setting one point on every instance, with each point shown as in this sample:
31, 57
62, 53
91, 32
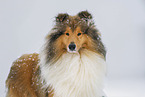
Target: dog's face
73, 34
74, 41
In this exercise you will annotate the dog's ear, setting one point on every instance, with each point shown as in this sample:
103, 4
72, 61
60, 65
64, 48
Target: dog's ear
62, 17
85, 15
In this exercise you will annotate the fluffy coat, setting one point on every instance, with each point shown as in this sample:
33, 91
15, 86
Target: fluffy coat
57, 71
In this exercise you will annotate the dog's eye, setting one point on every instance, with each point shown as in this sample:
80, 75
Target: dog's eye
67, 34
79, 34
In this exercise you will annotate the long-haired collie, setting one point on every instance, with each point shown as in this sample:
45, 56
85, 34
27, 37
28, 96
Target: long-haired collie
71, 63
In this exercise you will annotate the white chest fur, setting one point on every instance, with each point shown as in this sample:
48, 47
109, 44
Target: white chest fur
75, 75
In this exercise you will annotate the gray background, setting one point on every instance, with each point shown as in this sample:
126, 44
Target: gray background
25, 23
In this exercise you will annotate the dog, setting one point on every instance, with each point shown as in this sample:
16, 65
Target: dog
70, 64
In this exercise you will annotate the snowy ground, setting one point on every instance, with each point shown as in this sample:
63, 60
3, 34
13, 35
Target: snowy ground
119, 88
125, 87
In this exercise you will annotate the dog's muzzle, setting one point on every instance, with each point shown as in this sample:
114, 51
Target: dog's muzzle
72, 47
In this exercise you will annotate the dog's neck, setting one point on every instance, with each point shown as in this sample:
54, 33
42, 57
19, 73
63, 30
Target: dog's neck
75, 75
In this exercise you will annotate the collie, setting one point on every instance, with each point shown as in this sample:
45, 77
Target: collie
71, 63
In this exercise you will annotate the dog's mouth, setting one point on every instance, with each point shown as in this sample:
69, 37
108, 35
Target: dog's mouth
72, 51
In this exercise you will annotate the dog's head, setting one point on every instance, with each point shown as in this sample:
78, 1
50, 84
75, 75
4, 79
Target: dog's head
73, 34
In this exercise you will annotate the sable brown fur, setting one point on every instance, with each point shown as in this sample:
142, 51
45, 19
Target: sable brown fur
24, 79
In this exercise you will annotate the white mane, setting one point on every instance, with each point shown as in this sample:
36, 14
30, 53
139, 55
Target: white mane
75, 75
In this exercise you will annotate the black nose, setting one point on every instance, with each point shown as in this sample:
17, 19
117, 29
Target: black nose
72, 46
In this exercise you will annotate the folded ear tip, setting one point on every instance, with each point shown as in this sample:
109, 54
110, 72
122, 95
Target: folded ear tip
85, 14
62, 17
